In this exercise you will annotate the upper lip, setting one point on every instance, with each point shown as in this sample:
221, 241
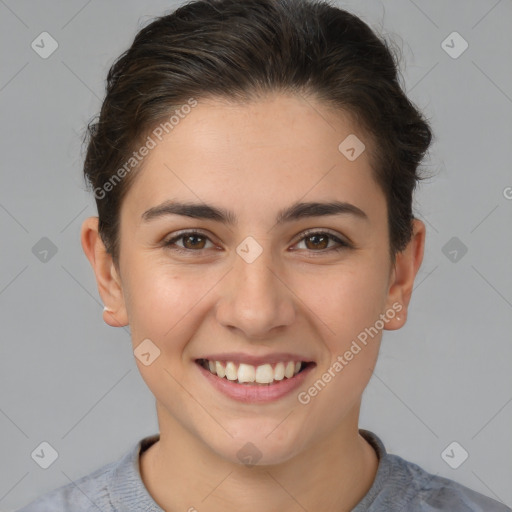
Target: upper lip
240, 357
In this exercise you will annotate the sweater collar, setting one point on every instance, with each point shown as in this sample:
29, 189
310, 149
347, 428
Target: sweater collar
127, 487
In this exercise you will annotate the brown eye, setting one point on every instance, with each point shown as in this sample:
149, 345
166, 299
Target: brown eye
192, 241
318, 241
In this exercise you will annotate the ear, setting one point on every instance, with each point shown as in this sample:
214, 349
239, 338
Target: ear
403, 274
107, 277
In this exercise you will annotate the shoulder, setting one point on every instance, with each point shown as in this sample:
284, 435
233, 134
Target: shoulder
114, 486
89, 493
401, 485
424, 491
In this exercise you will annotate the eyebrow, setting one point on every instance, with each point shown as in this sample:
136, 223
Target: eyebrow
294, 212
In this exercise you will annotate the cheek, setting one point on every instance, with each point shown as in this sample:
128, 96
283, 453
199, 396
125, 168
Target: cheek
163, 308
157, 299
348, 305
347, 300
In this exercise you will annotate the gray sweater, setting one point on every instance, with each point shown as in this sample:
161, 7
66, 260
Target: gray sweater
399, 485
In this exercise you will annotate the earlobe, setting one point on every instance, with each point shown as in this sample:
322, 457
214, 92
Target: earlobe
404, 272
107, 279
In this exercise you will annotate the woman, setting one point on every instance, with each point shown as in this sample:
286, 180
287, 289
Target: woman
253, 166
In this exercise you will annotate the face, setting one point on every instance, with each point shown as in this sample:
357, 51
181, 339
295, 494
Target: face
271, 282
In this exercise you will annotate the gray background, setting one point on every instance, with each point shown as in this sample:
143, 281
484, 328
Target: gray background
69, 379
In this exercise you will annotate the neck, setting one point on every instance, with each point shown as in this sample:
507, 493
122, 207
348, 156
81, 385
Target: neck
182, 473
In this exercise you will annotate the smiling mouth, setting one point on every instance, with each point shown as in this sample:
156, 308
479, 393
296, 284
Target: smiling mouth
264, 375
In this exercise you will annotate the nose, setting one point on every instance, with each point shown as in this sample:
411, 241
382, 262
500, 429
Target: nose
255, 298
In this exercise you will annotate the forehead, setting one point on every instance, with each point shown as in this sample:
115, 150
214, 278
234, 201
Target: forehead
280, 148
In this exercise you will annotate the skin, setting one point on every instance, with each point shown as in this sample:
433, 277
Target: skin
255, 159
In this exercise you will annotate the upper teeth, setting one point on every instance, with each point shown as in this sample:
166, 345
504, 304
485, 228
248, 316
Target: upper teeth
263, 374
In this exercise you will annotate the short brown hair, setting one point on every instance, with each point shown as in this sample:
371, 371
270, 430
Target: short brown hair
241, 50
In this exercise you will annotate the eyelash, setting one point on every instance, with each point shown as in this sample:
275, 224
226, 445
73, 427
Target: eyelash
170, 243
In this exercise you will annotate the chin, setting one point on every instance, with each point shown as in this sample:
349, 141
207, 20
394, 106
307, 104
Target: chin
257, 445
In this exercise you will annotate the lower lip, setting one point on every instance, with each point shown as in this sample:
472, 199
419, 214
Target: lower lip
260, 393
